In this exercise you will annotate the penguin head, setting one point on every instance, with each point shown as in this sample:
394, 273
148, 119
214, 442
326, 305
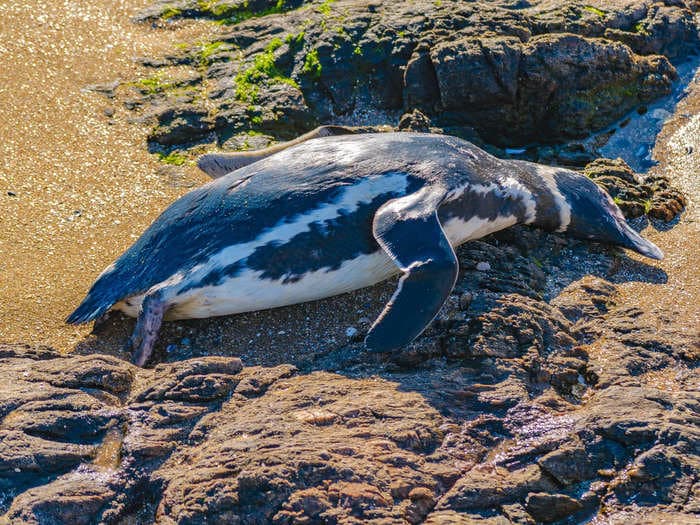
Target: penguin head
596, 217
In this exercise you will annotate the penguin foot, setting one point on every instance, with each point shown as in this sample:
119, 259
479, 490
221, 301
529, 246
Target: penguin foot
147, 326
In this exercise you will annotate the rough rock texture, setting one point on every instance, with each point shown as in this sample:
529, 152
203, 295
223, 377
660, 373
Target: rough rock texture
534, 397
636, 195
516, 72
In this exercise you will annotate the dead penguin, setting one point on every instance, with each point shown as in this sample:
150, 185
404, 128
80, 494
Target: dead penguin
335, 214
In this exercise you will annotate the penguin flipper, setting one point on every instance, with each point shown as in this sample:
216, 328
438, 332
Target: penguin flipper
409, 231
219, 164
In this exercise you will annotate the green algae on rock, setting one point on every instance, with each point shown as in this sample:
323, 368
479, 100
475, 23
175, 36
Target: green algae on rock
506, 71
223, 11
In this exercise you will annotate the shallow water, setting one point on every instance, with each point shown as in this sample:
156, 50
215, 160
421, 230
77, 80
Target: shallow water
676, 154
634, 141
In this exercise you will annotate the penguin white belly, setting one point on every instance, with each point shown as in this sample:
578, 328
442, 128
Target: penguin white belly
459, 231
249, 291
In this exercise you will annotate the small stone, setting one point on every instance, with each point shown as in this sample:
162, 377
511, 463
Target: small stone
578, 390
483, 266
551, 507
465, 300
419, 493
317, 417
351, 331
660, 114
11, 194
516, 513
415, 121
108, 111
400, 489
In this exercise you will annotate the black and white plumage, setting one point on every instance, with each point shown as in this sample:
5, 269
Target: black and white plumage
336, 214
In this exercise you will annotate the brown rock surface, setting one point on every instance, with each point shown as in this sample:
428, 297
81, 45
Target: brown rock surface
528, 416
651, 196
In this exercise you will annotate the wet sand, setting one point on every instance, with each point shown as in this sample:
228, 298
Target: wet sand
77, 187
678, 153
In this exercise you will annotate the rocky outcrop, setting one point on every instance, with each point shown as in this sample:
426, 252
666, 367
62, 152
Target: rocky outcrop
515, 72
534, 397
636, 195
552, 87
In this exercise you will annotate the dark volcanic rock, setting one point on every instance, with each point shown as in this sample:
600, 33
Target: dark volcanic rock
515, 73
554, 86
181, 125
636, 195
646, 26
547, 507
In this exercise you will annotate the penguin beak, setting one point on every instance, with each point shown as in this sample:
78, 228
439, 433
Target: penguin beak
639, 244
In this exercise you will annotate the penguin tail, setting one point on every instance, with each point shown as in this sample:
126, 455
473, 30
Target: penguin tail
102, 296
90, 309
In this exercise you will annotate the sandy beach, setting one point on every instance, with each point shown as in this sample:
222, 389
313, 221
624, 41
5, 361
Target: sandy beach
77, 186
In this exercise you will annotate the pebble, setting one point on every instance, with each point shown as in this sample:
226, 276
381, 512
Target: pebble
483, 266
351, 331
421, 493
465, 300
11, 194
660, 114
